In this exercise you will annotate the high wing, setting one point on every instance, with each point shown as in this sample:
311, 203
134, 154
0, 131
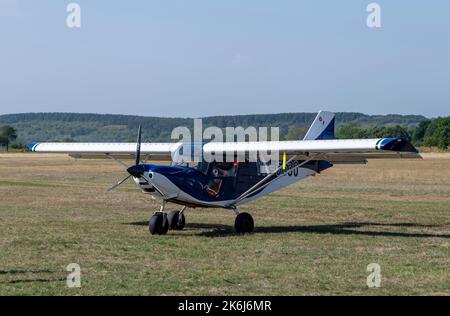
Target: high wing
154, 151
335, 151
318, 144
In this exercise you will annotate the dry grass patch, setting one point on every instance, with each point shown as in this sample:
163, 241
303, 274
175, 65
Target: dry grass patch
315, 237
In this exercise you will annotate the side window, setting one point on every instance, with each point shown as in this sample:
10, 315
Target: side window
224, 169
219, 171
266, 168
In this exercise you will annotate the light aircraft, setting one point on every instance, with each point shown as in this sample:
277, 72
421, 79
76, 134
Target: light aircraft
229, 185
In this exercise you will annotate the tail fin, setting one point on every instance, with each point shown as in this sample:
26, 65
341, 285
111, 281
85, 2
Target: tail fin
322, 127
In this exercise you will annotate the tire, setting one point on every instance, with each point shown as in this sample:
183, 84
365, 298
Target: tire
172, 219
158, 224
244, 223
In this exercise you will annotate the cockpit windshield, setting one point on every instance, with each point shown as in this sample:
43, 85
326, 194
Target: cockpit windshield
189, 155
200, 166
180, 159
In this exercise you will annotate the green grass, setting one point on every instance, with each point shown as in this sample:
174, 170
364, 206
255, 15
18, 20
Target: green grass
25, 184
316, 237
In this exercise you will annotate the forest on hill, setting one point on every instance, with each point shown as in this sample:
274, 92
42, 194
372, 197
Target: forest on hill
107, 127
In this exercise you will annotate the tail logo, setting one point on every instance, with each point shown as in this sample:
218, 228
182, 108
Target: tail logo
321, 120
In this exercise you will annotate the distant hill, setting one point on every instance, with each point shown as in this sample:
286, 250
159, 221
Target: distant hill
107, 127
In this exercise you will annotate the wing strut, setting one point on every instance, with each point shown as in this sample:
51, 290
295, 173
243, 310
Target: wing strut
261, 185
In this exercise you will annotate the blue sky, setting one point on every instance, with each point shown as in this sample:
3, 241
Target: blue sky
212, 57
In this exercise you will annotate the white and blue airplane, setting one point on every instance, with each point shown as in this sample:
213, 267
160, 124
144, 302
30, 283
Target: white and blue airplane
229, 185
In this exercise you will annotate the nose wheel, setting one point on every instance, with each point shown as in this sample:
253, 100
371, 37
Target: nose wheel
161, 222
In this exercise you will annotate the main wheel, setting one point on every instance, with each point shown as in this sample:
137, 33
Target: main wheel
175, 222
244, 223
158, 224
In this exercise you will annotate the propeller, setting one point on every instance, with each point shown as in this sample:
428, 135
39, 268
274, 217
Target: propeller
137, 170
138, 147
119, 183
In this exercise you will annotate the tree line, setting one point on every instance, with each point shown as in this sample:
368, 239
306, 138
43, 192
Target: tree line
430, 133
44, 127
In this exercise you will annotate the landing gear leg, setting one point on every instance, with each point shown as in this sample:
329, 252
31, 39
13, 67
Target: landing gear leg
158, 223
176, 219
244, 223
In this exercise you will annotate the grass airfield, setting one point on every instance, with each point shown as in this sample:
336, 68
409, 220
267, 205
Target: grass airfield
313, 238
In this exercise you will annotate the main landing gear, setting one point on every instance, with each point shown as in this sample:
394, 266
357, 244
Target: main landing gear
244, 223
158, 224
161, 222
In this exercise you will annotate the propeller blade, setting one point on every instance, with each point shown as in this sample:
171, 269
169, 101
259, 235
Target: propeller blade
119, 183
118, 161
138, 147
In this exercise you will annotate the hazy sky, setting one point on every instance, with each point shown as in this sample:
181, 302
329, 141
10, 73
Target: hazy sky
212, 57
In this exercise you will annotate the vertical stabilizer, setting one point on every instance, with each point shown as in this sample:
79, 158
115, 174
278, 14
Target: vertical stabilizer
322, 127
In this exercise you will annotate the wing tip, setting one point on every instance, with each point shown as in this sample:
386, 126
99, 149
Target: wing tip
32, 146
397, 144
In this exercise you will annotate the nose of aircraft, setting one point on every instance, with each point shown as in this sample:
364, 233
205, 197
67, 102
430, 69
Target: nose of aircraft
136, 171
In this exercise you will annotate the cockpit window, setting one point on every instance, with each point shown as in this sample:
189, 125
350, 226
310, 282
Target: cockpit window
187, 155
200, 166
224, 169
219, 171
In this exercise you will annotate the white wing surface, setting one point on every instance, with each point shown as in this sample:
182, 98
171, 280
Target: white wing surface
154, 151
336, 150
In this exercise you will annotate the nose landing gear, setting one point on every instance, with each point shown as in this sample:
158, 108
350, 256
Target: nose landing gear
158, 224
